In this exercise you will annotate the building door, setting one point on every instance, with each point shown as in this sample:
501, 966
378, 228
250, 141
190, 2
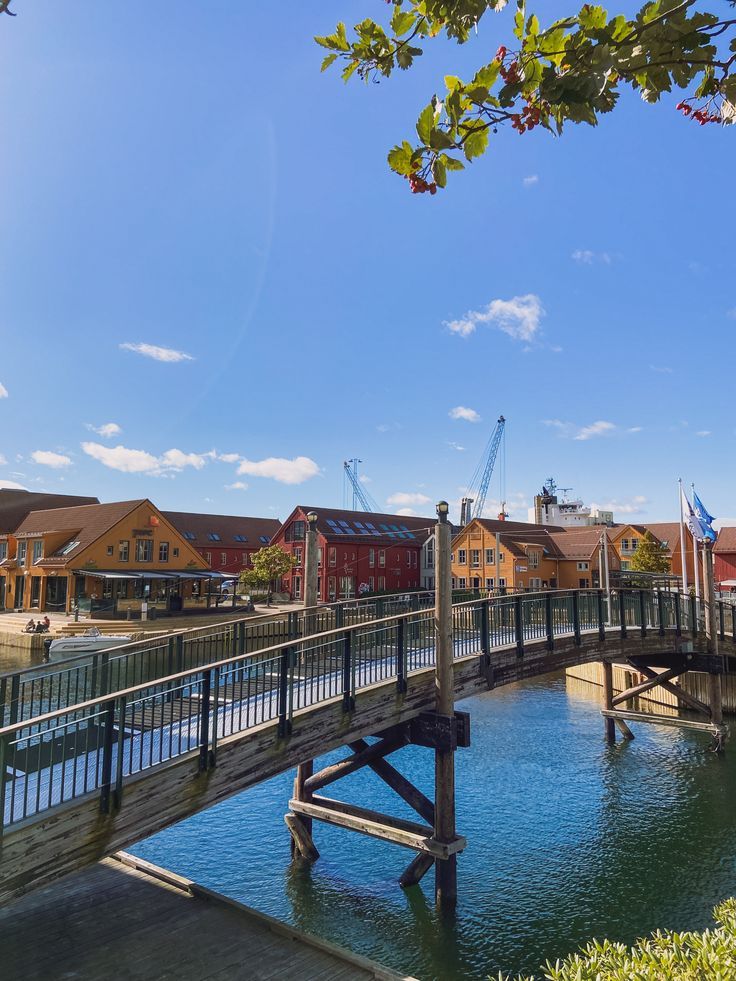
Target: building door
347, 587
476, 582
2, 593
20, 591
56, 587
35, 592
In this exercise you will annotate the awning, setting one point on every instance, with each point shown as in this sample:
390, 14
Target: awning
726, 582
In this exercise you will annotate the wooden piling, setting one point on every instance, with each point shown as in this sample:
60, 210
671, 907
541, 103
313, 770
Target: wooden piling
609, 726
300, 825
444, 771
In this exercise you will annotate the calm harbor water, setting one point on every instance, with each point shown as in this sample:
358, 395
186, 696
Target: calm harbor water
567, 839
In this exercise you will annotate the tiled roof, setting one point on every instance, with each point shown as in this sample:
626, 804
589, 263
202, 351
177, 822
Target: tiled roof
665, 531
82, 524
232, 530
726, 540
337, 524
15, 505
578, 543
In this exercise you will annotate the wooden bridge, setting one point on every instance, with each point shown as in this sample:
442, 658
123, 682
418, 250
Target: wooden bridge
81, 778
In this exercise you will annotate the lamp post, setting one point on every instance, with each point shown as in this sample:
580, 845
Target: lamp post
444, 772
310, 562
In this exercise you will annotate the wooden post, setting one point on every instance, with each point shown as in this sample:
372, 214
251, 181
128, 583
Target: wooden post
444, 770
715, 694
609, 726
310, 563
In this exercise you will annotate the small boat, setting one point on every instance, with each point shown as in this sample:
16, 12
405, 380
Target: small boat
89, 642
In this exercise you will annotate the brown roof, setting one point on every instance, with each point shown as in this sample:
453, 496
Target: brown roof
227, 526
82, 524
578, 543
665, 531
726, 541
494, 525
357, 524
15, 505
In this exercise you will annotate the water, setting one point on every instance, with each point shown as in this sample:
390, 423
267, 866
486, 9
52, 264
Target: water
568, 838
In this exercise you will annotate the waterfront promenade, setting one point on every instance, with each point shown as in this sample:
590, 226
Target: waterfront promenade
128, 919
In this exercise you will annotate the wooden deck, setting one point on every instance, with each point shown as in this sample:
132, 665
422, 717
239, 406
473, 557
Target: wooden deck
145, 924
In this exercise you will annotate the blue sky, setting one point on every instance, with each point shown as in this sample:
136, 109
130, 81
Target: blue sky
180, 176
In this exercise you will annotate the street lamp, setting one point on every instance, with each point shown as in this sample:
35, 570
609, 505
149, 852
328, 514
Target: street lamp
442, 511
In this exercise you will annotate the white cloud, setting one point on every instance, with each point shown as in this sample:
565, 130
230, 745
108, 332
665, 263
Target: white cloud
294, 471
47, 458
365, 479
157, 353
107, 430
3, 391
456, 446
11, 485
228, 457
128, 460
600, 428
530, 180
3, 461
462, 412
704, 432
587, 257
571, 430
520, 318
634, 429
661, 369
407, 512
404, 499
238, 485
634, 505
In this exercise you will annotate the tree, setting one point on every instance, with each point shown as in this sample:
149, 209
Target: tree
269, 564
650, 556
687, 956
568, 72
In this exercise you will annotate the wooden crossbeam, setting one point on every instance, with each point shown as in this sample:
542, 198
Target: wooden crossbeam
355, 762
686, 697
664, 720
644, 686
399, 784
408, 834
416, 869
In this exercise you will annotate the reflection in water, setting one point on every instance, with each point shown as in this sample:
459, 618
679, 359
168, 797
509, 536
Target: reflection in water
567, 838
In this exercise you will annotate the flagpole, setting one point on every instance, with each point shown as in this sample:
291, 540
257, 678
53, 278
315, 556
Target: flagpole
696, 569
683, 555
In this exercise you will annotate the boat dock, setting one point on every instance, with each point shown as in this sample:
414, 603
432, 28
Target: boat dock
131, 920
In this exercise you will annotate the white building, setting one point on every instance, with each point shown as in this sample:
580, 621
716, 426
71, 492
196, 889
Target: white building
553, 508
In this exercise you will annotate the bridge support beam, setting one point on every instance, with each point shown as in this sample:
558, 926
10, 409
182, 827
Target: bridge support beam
609, 726
300, 825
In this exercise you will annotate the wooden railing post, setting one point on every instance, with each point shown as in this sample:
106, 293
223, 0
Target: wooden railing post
348, 702
601, 619
549, 622
485, 632
660, 612
622, 613
107, 744
519, 626
400, 657
642, 613
576, 617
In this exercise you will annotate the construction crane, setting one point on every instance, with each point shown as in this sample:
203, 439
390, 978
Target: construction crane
360, 495
481, 479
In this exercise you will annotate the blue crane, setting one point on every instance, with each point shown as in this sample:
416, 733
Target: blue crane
481, 479
360, 495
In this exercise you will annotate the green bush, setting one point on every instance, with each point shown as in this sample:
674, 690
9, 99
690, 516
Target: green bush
663, 955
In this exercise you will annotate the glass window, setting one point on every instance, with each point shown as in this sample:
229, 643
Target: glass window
298, 555
22, 552
208, 557
223, 558
38, 550
490, 557
123, 551
332, 553
534, 560
213, 536
462, 582
3, 551
475, 557
190, 536
240, 538
371, 557
296, 532
382, 557
381, 583
163, 552
408, 557
175, 553
144, 550
462, 556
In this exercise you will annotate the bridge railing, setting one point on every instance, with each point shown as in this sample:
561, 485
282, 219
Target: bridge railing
32, 691
96, 745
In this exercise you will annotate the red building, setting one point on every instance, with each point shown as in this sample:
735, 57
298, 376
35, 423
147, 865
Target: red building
226, 542
724, 559
358, 551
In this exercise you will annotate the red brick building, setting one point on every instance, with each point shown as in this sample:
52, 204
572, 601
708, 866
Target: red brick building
378, 552
724, 558
226, 542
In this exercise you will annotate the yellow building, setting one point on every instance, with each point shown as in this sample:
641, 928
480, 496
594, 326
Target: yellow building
103, 558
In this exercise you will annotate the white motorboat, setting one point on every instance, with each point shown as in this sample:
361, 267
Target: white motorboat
89, 642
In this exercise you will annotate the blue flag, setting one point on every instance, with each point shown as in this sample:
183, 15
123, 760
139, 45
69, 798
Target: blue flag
705, 520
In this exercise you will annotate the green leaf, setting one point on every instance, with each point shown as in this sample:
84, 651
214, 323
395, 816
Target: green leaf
402, 21
519, 24
487, 75
476, 143
451, 163
327, 61
425, 123
592, 18
349, 69
440, 140
532, 25
439, 173
342, 37
400, 158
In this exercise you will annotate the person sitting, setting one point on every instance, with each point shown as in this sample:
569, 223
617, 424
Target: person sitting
46, 622
30, 626
41, 627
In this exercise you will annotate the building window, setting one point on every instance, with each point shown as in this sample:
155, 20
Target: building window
414, 560
382, 558
144, 550
332, 555
22, 552
408, 557
490, 557
296, 586
331, 588
625, 566
213, 536
38, 551
244, 558
533, 560
489, 583
123, 551
535, 583
175, 553
430, 554
3, 551
502, 583
462, 582
298, 555
163, 552
501, 557
371, 583
319, 557
240, 538
583, 566
371, 557
475, 558
190, 536
208, 558
223, 558
381, 583
296, 532
462, 556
